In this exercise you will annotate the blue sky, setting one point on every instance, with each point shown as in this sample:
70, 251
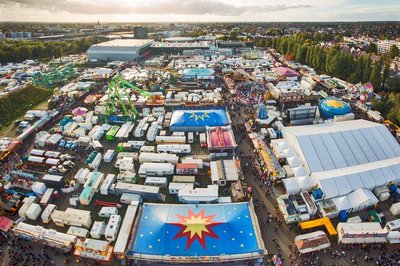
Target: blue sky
198, 10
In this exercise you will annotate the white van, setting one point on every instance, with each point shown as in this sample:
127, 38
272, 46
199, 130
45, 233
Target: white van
128, 198
109, 156
108, 211
190, 137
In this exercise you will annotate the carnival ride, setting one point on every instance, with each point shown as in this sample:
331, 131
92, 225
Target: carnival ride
159, 76
55, 76
117, 87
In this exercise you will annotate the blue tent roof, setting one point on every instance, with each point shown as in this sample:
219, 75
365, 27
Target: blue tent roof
195, 230
262, 111
330, 107
199, 118
200, 72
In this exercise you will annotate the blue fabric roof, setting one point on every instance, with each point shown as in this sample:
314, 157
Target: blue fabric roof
192, 72
330, 107
171, 230
199, 118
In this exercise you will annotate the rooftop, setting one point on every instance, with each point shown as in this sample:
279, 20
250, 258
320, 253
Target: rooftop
124, 43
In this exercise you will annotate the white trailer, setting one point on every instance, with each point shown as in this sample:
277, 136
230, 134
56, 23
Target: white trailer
81, 175
108, 181
37, 152
27, 202
156, 181
271, 133
141, 127
125, 130
136, 144
129, 198
146, 192
46, 214
109, 156
97, 145
393, 225
47, 196
52, 154
175, 187
148, 149
33, 211
125, 231
108, 211
71, 216
171, 140
78, 232
133, 155
156, 169
360, 233
96, 162
203, 140
113, 227
147, 157
98, 229
190, 137
174, 148
395, 208
153, 131
94, 180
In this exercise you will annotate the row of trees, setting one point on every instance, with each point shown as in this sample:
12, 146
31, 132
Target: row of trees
332, 60
16, 103
18, 51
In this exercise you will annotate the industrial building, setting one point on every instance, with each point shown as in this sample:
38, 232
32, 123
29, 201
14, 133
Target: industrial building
118, 50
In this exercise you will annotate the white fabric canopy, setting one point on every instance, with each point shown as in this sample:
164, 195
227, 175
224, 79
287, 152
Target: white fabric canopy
292, 185
299, 171
294, 161
355, 201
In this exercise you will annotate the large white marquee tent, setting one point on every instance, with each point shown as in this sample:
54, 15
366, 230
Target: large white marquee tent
341, 157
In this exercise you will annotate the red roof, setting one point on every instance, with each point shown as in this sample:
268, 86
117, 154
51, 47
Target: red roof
285, 71
5, 223
186, 166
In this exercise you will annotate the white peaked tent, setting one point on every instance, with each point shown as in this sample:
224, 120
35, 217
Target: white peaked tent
306, 183
289, 152
357, 200
294, 161
299, 171
292, 185
296, 185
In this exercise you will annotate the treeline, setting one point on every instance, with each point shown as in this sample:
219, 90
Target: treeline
16, 103
332, 60
18, 51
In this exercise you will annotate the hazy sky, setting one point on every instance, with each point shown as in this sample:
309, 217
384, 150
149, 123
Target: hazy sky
198, 10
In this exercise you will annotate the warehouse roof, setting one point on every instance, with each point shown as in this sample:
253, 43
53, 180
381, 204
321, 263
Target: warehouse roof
124, 43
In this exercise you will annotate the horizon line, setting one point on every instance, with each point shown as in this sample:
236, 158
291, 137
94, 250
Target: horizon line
195, 22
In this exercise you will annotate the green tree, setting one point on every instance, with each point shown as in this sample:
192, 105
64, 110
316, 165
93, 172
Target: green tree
372, 48
394, 51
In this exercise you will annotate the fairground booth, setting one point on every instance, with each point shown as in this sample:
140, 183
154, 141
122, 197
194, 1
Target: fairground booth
197, 234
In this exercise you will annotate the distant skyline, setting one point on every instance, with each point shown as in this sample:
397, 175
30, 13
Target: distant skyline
198, 10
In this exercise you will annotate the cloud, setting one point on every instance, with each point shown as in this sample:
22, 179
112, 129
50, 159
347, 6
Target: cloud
171, 7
